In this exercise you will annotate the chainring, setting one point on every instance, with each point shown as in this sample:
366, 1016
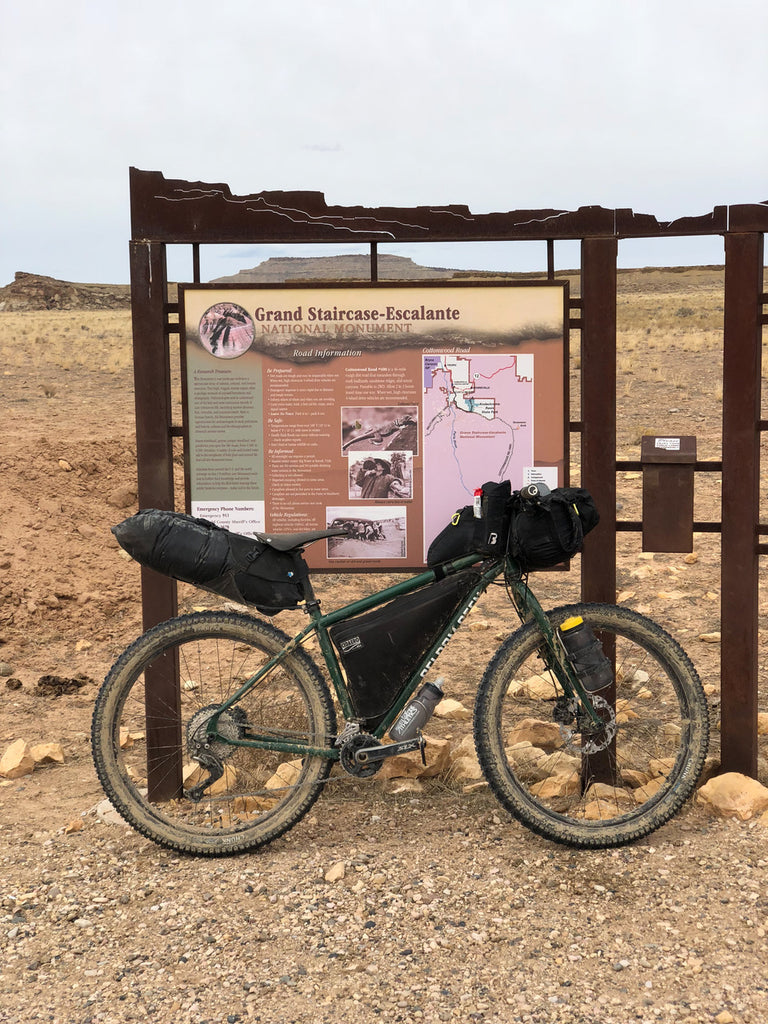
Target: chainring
348, 751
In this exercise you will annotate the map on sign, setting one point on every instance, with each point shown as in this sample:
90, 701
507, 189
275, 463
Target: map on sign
478, 426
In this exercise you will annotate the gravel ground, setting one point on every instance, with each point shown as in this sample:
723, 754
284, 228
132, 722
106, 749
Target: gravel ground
445, 910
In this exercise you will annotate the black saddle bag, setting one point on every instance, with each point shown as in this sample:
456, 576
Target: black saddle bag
549, 532
225, 563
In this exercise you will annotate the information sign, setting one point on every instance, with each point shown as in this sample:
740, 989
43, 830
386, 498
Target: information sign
375, 407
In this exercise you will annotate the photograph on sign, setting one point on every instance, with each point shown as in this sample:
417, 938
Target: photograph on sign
381, 407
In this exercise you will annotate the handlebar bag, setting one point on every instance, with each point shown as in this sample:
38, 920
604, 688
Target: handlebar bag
546, 533
465, 533
225, 563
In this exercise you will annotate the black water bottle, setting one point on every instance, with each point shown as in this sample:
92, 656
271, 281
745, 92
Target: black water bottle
586, 654
417, 713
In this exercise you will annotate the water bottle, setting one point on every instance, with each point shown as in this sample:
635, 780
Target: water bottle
417, 713
586, 654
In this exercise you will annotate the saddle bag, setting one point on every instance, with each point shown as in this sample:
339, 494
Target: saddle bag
549, 532
225, 563
380, 649
467, 531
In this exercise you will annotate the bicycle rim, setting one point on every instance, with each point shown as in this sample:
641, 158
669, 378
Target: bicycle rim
578, 784
147, 745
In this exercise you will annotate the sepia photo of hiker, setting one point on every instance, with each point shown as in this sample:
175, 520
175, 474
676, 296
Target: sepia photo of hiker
376, 480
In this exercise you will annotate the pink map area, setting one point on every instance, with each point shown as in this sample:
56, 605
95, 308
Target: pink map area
478, 426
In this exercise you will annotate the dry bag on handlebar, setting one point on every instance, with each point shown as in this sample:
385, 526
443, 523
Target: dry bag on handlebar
196, 551
551, 530
467, 532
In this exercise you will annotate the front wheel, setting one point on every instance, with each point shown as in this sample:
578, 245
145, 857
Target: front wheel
151, 747
569, 780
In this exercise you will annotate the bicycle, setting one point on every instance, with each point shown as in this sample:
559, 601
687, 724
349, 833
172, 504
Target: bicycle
238, 742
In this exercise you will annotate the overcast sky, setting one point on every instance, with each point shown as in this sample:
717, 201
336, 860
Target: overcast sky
658, 105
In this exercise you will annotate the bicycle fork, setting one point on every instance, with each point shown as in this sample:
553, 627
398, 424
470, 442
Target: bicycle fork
558, 662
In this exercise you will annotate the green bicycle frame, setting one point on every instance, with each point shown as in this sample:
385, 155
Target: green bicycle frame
523, 600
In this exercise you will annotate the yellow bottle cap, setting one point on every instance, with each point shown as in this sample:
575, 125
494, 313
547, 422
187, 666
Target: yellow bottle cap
572, 623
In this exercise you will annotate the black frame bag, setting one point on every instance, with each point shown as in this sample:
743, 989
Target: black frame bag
380, 649
548, 532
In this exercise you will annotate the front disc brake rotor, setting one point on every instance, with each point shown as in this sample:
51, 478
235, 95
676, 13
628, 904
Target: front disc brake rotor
586, 737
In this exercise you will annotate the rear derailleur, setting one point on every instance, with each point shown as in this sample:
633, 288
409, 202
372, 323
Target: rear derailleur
211, 751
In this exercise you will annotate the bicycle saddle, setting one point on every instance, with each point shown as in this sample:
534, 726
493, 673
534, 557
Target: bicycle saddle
294, 541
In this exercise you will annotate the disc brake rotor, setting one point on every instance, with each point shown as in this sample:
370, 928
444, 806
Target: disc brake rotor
581, 735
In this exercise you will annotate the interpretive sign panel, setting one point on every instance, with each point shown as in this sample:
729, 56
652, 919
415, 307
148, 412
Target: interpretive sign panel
377, 407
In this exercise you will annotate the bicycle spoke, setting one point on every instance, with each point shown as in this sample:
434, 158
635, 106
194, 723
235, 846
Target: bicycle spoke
187, 787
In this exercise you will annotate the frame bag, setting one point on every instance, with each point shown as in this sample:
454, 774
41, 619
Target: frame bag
380, 649
552, 530
199, 552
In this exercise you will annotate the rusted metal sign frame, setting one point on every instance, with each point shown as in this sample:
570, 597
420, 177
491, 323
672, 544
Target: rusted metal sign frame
179, 212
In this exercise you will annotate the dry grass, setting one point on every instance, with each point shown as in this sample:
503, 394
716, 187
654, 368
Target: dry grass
666, 319
64, 339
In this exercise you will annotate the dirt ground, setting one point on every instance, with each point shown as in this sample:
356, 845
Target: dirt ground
444, 908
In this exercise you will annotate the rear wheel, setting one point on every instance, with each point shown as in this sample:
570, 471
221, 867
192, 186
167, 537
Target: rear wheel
149, 743
584, 785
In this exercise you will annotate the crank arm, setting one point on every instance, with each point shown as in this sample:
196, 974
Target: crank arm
367, 754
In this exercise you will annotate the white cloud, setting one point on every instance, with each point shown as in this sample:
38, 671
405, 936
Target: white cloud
495, 103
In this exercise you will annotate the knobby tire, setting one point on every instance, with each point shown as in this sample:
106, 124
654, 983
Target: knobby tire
261, 793
535, 763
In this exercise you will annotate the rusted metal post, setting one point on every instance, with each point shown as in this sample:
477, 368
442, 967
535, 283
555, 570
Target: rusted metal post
154, 451
598, 447
152, 383
598, 412
374, 261
740, 501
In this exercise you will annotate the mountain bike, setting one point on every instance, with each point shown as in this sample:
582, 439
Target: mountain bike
215, 732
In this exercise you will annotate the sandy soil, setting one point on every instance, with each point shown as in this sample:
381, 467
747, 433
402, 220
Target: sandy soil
446, 910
